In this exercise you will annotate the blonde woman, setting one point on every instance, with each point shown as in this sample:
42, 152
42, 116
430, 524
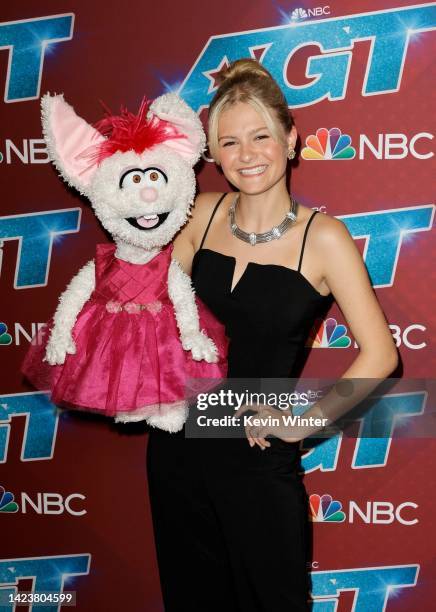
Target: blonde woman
230, 515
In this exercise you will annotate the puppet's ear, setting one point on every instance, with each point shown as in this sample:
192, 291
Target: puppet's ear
170, 107
68, 137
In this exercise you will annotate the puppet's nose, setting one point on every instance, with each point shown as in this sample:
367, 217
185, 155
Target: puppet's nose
149, 194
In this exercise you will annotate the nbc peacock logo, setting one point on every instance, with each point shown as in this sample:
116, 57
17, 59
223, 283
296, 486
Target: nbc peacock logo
324, 509
7, 503
298, 13
5, 337
328, 145
328, 334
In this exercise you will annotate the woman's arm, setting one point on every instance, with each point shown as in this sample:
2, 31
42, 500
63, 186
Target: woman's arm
347, 278
345, 274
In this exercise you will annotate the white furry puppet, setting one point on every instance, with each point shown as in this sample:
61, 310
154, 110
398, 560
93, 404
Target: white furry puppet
127, 331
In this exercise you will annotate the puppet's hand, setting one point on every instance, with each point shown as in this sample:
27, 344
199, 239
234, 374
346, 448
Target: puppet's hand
58, 347
201, 347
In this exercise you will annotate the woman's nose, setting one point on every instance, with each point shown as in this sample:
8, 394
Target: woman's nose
245, 152
148, 194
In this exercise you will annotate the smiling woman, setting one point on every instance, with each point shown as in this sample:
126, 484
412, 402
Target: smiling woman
260, 270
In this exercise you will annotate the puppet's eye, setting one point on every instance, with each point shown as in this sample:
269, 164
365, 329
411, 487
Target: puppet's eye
149, 177
155, 177
132, 179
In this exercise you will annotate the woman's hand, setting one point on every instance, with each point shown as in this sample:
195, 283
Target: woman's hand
268, 421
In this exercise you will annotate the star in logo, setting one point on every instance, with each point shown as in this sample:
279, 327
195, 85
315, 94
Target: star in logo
258, 51
213, 74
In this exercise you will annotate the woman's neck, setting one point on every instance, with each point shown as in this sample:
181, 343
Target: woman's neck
259, 213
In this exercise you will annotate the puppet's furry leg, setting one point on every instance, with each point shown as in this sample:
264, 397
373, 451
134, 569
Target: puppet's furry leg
183, 299
171, 417
70, 304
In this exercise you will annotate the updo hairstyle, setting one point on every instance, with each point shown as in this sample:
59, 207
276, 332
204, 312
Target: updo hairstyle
246, 80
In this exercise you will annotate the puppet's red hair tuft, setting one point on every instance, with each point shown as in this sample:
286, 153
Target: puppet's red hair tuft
129, 132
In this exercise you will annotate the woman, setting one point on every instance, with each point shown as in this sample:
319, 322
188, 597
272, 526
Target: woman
230, 516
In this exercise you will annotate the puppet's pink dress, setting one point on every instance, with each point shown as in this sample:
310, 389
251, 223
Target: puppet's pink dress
129, 358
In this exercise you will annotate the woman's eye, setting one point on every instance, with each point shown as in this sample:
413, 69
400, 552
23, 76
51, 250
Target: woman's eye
262, 136
154, 177
228, 143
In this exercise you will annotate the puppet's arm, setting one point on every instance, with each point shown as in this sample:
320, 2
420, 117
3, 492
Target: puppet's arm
183, 299
70, 304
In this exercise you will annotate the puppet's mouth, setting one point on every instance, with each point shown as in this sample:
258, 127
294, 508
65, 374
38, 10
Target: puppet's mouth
147, 222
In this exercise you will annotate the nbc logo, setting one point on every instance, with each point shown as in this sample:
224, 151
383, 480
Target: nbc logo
18, 334
325, 509
30, 151
5, 337
317, 11
327, 145
42, 503
328, 334
298, 13
7, 503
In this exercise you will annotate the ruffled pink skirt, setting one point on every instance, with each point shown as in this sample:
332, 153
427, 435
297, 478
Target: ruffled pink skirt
125, 362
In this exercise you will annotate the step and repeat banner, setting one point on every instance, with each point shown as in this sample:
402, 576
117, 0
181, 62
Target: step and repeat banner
359, 78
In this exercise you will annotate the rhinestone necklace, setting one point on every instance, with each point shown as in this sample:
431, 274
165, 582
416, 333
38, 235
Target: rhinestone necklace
272, 234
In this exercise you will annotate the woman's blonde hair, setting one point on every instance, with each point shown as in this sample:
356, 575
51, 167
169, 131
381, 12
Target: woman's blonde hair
245, 80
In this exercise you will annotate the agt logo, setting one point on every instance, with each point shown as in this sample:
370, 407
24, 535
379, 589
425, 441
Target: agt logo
331, 334
299, 14
42, 503
391, 32
50, 574
387, 414
331, 144
20, 333
324, 509
30, 151
36, 234
28, 42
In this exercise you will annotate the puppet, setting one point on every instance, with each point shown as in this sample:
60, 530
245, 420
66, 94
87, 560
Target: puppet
128, 331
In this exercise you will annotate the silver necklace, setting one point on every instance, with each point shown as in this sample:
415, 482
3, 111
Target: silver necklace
273, 234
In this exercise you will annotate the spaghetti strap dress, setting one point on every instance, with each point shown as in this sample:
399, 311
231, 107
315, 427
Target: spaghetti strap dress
230, 521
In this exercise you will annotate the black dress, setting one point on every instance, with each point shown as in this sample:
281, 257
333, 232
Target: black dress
230, 521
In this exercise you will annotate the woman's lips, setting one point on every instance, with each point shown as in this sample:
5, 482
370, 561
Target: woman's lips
253, 171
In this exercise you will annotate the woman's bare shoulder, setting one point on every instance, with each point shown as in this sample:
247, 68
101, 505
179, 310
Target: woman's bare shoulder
190, 235
204, 204
333, 243
201, 212
330, 231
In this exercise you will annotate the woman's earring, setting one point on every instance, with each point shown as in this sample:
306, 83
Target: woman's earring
291, 153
